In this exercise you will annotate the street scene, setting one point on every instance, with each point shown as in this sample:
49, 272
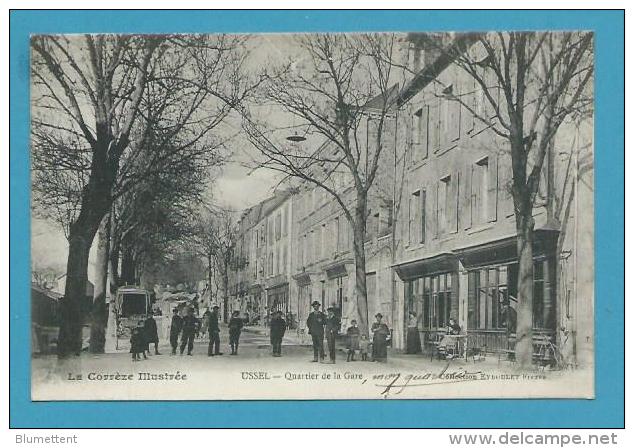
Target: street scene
314, 216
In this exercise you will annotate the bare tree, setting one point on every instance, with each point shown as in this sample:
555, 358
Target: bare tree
97, 102
214, 240
343, 93
530, 83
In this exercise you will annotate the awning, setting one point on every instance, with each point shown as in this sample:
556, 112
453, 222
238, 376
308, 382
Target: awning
338, 268
505, 250
277, 281
445, 262
303, 278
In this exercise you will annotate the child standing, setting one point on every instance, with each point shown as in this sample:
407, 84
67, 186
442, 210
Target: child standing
364, 347
353, 334
137, 342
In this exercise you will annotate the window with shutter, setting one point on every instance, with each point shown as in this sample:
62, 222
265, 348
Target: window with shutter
479, 191
414, 202
454, 115
445, 204
492, 191
433, 124
454, 198
465, 197
505, 184
423, 213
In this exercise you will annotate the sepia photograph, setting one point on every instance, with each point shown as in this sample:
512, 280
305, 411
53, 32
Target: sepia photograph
312, 216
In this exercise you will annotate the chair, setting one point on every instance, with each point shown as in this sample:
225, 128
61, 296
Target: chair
473, 349
437, 348
508, 350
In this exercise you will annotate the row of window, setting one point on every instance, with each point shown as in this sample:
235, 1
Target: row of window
467, 200
272, 229
273, 263
442, 119
322, 241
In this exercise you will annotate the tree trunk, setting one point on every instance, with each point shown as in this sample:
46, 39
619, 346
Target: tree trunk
69, 341
128, 268
524, 344
99, 317
361, 291
113, 268
209, 273
225, 297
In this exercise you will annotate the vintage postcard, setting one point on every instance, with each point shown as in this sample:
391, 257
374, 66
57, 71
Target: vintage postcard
312, 216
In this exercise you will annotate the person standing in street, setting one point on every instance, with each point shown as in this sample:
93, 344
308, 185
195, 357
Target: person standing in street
413, 336
214, 333
380, 333
315, 323
333, 325
175, 328
353, 333
278, 328
151, 334
235, 328
189, 330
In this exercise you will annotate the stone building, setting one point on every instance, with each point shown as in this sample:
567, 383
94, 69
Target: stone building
260, 273
456, 252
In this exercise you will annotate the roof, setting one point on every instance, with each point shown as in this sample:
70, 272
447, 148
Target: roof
431, 71
383, 101
259, 211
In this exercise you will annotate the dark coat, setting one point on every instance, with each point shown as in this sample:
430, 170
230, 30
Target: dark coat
354, 334
137, 341
235, 325
177, 325
213, 323
315, 323
333, 325
150, 330
278, 328
189, 324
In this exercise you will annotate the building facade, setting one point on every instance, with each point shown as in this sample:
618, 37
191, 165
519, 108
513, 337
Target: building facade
260, 274
457, 251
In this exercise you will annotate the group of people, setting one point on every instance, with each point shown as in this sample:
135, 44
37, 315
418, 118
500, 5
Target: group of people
322, 325
184, 328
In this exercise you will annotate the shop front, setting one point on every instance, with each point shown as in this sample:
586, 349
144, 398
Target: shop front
492, 279
477, 286
277, 295
432, 292
336, 291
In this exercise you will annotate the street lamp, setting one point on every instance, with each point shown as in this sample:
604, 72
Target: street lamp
296, 138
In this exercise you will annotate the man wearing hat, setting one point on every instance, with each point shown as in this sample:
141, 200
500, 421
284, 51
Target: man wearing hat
214, 333
278, 328
315, 323
333, 325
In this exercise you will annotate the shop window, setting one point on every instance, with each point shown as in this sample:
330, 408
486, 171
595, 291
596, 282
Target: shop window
339, 296
431, 298
491, 289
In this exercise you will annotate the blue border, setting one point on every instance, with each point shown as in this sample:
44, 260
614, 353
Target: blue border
607, 410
